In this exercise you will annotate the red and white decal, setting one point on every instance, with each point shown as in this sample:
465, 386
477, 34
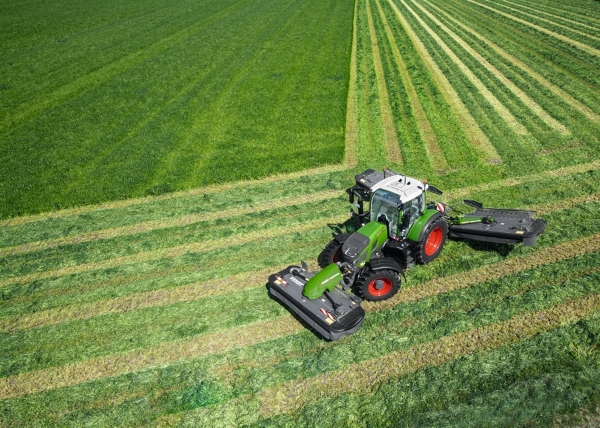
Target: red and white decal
441, 207
327, 314
282, 280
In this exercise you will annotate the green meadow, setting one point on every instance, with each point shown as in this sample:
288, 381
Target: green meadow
160, 160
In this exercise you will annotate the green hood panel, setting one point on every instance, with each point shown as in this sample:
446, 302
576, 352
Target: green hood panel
324, 280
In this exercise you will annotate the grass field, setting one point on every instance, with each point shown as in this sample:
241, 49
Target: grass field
153, 310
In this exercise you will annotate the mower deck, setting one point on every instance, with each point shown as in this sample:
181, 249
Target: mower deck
332, 323
509, 227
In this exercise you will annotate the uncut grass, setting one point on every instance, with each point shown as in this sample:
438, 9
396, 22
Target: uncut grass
169, 127
533, 380
70, 41
218, 230
428, 319
575, 76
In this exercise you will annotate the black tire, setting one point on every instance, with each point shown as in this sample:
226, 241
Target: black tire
379, 285
433, 241
330, 254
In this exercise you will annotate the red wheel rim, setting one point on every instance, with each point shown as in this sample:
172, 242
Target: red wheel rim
434, 240
387, 287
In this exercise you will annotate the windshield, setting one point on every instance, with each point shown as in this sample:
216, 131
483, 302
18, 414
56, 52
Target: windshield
386, 203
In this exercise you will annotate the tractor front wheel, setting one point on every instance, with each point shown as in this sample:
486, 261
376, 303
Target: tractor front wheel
433, 241
330, 254
379, 285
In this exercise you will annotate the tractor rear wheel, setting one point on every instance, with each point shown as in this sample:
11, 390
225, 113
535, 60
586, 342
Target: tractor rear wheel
330, 254
433, 241
379, 285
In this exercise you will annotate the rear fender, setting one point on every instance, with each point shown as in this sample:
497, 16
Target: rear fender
342, 237
418, 229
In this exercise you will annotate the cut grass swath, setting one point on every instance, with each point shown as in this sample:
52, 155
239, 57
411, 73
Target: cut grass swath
502, 111
242, 281
555, 89
71, 374
538, 110
567, 40
391, 139
477, 137
435, 154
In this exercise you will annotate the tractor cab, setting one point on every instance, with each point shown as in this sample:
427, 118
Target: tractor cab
397, 201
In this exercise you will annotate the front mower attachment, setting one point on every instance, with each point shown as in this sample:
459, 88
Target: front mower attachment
334, 315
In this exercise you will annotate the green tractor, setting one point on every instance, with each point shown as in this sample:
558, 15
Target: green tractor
399, 230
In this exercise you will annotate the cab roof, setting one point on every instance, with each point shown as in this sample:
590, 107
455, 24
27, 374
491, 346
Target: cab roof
406, 188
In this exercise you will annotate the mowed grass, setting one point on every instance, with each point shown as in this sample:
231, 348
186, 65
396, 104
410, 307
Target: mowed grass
124, 100
154, 310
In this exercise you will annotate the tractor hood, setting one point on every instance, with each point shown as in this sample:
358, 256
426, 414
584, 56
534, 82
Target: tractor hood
358, 247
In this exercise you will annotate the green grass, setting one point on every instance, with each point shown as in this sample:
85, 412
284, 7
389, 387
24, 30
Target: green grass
210, 92
153, 310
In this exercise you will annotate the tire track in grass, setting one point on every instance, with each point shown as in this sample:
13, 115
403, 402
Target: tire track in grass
539, 18
525, 99
435, 154
199, 247
84, 83
167, 353
165, 224
351, 114
391, 138
246, 280
475, 135
565, 96
565, 39
364, 377
496, 104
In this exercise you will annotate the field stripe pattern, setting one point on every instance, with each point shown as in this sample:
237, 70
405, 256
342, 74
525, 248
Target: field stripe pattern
154, 310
